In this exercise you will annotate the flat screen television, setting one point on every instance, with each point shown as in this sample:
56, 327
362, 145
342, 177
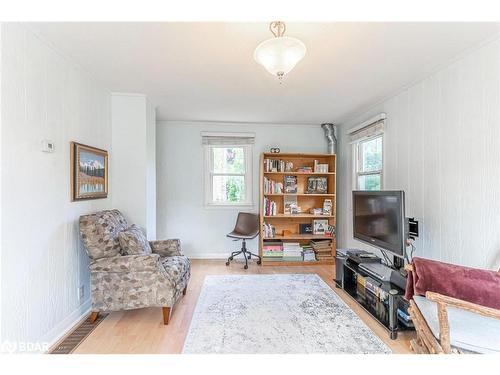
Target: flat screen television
379, 219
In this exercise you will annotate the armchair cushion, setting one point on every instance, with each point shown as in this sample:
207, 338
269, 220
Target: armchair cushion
469, 331
176, 267
133, 241
127, 263
166, 248
99, 233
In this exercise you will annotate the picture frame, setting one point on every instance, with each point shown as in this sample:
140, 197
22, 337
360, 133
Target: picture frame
317, 185
320, 226
89, 172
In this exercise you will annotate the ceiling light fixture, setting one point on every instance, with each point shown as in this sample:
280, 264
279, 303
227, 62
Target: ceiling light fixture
280, 54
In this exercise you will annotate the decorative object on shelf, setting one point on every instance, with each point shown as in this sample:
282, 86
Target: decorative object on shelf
316, 211
317, 185
280, 54
275, 150
89, 172
290, 205
330, 231
320, 226
327, 207
286, 232
291, 184
305, 229
288, 166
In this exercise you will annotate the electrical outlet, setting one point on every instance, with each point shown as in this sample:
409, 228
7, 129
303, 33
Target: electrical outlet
81, 293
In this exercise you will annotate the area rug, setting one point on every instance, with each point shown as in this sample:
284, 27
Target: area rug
271, 314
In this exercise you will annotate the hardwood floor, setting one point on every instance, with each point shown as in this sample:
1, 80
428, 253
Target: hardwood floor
142, 331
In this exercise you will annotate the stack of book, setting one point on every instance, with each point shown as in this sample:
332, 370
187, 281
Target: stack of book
292, 252
305, 169
323, 249
308, 254
269, 207
272, 251
272, 187
273, 165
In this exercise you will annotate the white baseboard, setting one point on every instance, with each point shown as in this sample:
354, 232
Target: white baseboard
207, 255
67, 324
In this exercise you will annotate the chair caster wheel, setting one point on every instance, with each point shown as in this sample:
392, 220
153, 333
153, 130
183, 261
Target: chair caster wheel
231, 258
227, 263
259, 262
245, 266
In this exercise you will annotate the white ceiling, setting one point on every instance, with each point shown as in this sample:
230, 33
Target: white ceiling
206, 71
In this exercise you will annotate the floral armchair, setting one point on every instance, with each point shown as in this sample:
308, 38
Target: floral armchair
129, 272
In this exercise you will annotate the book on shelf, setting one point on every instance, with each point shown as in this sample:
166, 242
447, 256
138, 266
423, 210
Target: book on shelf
269, 207
274, 165
269, 230
272, 250
319, 167
272, 187
291, 184
292, 251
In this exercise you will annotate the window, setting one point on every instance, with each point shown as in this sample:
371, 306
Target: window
228, 171
369, 164
368, 146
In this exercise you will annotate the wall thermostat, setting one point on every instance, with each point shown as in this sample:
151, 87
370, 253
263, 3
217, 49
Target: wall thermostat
48, 146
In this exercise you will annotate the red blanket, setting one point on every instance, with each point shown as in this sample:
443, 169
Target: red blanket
468, 284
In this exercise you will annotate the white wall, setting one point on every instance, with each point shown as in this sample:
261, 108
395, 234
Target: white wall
133, 164
180, 174
44, 96
442, 147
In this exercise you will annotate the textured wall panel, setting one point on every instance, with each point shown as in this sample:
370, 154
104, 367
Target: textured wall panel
44, 96
442, 146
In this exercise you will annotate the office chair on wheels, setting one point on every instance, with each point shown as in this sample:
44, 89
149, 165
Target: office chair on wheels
246, 228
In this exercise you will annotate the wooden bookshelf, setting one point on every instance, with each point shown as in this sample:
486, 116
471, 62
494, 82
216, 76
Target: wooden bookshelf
305, 200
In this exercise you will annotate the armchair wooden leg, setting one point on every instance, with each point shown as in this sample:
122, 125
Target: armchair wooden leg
93, 316
166, 315
184, 291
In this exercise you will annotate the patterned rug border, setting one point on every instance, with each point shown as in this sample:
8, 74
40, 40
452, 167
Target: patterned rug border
198, 306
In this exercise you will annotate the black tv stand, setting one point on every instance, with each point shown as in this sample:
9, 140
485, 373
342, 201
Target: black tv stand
381, 299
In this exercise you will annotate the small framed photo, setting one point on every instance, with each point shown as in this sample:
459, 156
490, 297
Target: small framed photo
320, 226
89, 172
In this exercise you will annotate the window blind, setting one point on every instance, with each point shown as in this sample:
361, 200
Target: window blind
369, 131
214, 138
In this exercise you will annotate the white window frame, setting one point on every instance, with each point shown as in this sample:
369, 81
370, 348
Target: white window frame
357, 157
209, 174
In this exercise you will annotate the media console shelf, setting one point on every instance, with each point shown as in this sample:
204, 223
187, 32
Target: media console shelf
381, 299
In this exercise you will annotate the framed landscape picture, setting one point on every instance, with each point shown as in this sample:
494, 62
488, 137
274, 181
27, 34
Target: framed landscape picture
89, 172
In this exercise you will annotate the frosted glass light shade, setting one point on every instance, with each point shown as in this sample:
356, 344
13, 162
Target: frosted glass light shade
279, 55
